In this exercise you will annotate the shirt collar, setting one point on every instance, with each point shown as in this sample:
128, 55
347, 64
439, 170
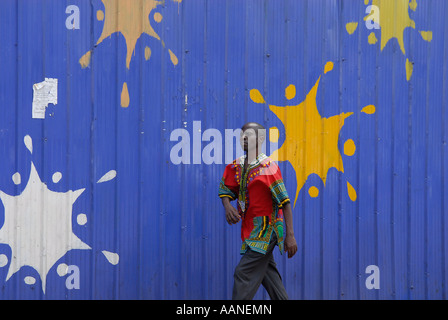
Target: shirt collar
254, 162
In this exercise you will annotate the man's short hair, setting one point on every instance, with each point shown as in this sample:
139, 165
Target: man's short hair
255, 126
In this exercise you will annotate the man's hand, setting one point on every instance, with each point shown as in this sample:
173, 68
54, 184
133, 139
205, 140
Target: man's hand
290, 240
290, 245
232, 215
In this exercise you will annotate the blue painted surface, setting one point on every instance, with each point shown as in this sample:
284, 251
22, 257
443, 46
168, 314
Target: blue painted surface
165, 221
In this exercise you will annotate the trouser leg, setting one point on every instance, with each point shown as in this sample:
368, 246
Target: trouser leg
254, 269
272, 282
248, 275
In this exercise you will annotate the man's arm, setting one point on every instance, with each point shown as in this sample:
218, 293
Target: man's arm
232, 215
290, 240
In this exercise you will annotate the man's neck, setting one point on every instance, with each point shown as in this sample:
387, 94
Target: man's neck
251, 156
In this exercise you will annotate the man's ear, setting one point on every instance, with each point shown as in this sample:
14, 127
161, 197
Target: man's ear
262, 136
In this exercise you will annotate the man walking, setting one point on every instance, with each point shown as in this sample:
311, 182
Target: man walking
256, 182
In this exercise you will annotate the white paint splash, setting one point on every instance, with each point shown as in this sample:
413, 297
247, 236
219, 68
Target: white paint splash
38, 225
44, 93
39, 234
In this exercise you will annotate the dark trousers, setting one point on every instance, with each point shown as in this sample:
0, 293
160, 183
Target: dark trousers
254, 269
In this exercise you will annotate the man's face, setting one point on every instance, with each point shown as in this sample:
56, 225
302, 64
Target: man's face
248, 139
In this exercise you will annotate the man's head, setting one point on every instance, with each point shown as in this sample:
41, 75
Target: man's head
252, 136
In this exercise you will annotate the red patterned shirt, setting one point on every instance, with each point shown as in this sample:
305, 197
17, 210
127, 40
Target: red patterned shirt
261, 194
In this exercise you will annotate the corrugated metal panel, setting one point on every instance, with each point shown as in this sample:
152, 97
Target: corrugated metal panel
362, 144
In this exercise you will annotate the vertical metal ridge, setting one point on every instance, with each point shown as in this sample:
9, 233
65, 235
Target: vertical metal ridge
443, 157
340, 89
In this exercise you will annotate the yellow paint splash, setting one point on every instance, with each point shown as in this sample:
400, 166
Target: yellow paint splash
311, 144
370, 109
131, 19
394, 18
349, 147
351, 27
351, 192
125, 96
313, 192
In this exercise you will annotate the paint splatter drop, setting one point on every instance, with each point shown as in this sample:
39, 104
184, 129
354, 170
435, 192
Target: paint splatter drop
372, 38
426, 35
313, 192
57, 176
28, 143
3, 260
290, 92
30, 280
100, 15
108, 176
16, 178
349, 147
173, 58
112, 257
125, 96
62, 269
370, 109
147, 53
409, 69
85, 59
256, 96
351, 192
328, 67
81, 219
351, 27
158, 17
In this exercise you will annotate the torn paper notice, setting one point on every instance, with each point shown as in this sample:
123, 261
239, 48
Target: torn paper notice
44, 93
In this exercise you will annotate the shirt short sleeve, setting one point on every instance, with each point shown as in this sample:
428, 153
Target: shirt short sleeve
276, 185
228, 187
